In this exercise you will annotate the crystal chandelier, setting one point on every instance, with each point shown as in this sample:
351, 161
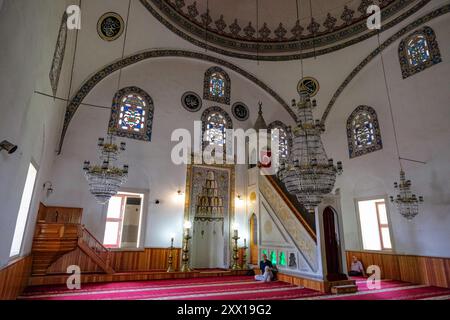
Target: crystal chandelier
407, 202
105, 179
308, 173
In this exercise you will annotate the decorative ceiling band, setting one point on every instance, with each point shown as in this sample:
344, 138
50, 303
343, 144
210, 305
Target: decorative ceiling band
274, 49
413, 25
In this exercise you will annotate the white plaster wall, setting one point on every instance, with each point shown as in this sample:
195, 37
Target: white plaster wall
28, 120
165, 79
422, 116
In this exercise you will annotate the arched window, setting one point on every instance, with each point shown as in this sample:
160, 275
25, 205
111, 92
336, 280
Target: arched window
217, 86
132, 114
284, 138
214, 123
363, 132
418, 51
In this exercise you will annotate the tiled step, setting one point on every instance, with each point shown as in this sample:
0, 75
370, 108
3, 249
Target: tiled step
344, 289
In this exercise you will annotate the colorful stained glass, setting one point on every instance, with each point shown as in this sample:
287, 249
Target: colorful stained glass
363, 130
217, 85
132, 114
418, 51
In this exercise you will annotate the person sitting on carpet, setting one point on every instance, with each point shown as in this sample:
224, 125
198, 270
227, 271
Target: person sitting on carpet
356, 269
267, 269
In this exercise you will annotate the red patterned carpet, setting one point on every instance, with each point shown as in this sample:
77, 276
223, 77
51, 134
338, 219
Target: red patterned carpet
229, 288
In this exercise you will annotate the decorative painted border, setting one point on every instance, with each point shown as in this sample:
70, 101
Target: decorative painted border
413, 25
347, 18
183, 102
115, 112
58, 56
310, 43
233, 110
90, 83
103, 18
350, 136
207, 95
435, 53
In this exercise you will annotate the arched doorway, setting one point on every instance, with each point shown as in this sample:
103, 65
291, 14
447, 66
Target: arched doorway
332, 245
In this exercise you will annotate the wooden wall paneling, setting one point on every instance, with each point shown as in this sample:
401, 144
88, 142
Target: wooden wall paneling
14, 278
148, 259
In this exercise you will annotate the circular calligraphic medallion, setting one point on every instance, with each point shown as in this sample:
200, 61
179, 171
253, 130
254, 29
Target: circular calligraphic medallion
191, 101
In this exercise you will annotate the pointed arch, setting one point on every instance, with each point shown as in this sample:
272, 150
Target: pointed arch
214, 123
132, 114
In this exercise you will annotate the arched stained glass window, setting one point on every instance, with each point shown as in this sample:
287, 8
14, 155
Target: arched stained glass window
132, 114
363, 132
418, 51
217, 85
283, 138
215, 121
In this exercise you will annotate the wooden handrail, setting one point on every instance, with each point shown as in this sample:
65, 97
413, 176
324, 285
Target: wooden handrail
292, 207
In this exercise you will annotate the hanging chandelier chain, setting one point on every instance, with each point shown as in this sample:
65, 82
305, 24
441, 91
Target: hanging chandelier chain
314, 32
257, 32
298, 6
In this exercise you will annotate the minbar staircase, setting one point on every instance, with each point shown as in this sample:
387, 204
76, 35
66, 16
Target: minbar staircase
58, 232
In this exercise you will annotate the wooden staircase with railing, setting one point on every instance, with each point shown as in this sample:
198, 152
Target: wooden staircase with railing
58, 232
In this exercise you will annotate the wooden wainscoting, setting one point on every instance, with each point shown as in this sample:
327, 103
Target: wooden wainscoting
14, 278
430, 271
318, 285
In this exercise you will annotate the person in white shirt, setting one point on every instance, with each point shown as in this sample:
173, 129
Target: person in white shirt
356, 269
